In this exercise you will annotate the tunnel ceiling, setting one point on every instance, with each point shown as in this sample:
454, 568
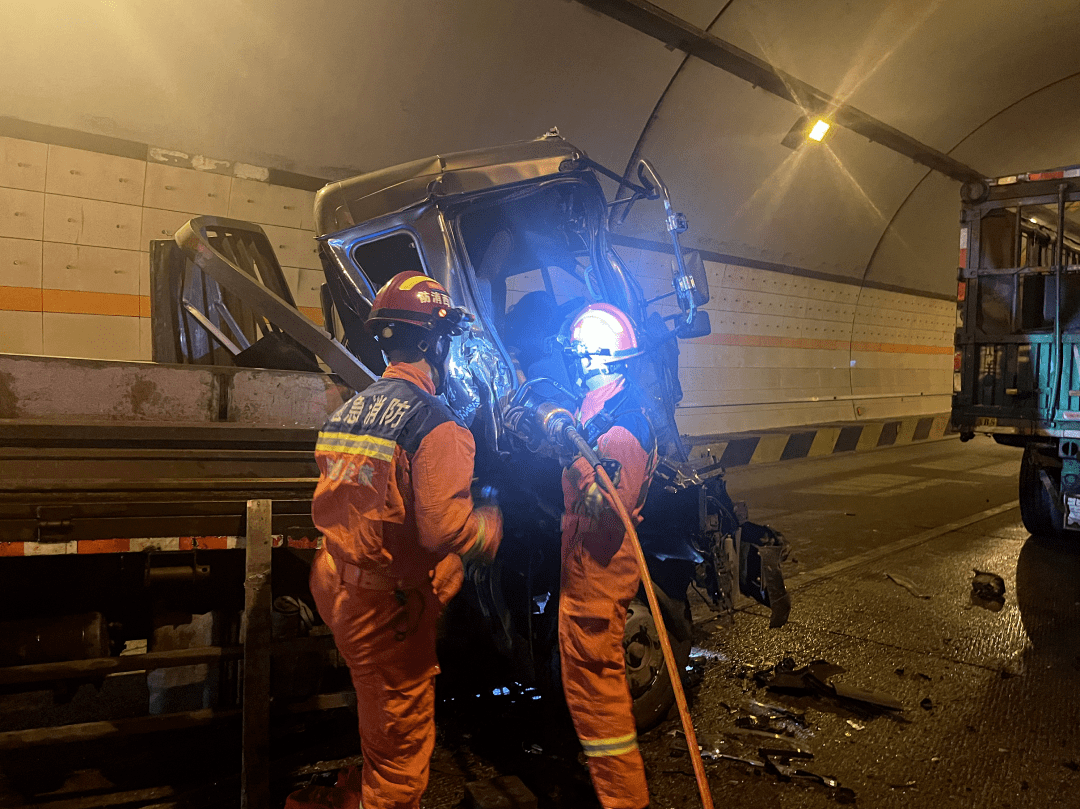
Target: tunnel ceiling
331, 89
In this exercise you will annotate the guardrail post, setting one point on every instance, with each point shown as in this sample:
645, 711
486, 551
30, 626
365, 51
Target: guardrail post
255, 638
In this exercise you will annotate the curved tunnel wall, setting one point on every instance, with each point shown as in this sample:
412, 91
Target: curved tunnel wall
832, 269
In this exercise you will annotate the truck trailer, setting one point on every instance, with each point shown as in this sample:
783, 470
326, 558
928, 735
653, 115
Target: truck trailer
1016, 374
156, 516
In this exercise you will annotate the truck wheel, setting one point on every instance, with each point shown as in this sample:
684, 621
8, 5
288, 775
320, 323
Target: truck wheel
1040, 514
646, 672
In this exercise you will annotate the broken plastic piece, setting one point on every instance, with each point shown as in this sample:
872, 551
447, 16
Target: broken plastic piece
816, 677
870, 697
771, 744
908, 585
766, 711
783, 768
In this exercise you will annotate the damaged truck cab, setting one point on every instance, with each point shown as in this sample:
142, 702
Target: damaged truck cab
519, 235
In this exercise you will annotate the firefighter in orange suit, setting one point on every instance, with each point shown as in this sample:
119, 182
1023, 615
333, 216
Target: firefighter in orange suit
600, 574
394, 506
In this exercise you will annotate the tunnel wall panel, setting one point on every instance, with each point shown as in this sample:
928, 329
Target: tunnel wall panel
75, 232
786, 349
789, 350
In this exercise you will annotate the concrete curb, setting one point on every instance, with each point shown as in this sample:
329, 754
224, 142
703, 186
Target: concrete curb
709, 453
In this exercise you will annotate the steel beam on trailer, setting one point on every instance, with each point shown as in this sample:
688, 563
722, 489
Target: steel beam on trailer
111, 729
256, 636
150, 661
678, 34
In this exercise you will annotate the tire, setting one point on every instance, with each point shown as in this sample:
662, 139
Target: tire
1040, 514
646, 672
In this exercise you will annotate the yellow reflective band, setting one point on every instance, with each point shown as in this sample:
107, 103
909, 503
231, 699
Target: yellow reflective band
615, 746
410, 283
380, 448
478, 546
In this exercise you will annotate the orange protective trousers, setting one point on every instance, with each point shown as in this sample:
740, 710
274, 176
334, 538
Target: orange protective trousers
600, 577
387, 637
394, 507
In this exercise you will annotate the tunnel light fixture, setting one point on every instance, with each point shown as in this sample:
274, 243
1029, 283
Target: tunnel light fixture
818, 130
804, 130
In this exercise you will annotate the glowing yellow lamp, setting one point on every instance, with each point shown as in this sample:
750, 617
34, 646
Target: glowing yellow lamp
819, 130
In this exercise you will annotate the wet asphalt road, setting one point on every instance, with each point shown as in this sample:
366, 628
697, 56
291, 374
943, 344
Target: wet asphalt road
989, 713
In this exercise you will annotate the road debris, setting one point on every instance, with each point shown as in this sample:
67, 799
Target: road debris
769, 752
817, 678
908, 585
988, 591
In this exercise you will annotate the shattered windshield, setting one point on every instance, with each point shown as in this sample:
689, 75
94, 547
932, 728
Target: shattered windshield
531, 261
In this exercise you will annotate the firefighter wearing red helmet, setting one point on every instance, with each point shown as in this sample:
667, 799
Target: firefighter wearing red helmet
394, 506
600, 575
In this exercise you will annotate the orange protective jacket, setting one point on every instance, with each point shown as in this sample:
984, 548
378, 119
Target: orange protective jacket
396, 469
394, 506
600, 577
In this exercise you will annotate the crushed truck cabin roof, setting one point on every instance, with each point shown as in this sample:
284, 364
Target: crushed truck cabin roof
359, 199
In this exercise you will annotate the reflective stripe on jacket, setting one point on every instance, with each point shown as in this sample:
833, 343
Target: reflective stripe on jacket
396, 467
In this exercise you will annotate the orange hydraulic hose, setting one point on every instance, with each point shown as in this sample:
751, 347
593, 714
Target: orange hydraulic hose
669, 656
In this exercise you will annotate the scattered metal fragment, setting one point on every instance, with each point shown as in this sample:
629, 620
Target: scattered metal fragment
785, 677
908, 585
758, 723
777, 754
875, 698
856, 725
817, 678
772, 719
988, 591
783, 767
785, 771
713, 748
766, 711
771, 744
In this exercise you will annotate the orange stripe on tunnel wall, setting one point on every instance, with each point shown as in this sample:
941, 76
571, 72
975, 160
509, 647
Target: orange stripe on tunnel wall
73, 302
20, 299
763, 341
89, 303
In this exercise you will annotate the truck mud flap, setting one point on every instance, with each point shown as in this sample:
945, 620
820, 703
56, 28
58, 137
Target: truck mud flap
761, 550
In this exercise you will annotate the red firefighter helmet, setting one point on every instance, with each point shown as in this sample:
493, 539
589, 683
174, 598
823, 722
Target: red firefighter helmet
413, 298
601, 339
414, 312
